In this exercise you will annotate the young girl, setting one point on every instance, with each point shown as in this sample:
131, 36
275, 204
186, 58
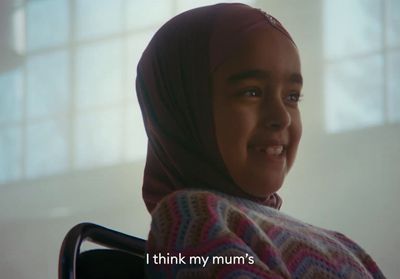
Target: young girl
219, 88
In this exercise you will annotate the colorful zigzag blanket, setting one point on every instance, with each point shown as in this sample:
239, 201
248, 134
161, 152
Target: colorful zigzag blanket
203, 234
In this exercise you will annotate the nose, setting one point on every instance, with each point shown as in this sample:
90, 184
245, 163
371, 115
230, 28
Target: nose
276, 115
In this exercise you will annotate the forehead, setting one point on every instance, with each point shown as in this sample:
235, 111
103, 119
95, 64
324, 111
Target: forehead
267, 50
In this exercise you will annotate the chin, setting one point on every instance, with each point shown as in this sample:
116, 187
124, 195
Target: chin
263, 189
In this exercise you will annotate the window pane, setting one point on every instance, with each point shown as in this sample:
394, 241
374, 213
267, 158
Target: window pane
10, 96
47, 147
99, 74
136, 46
140, 14
98, 138
10, 153
351, 27
393, 21
47, 88
98, 17
19, 36
394, 86
47, 23
136, 138
354, 94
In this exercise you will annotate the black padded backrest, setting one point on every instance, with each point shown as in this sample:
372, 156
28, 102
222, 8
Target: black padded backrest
106, 264
125, 256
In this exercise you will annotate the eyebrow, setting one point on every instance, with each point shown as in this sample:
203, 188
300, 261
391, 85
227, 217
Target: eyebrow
261, 74
258, 74
296, 78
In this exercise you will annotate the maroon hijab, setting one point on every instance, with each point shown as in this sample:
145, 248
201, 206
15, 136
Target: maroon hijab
173, 85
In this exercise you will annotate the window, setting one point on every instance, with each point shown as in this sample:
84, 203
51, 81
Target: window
70, 102
362, 70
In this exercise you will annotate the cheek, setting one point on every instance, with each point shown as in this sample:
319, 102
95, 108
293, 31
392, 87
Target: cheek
299, 127
296, 130
235, 125
233, 130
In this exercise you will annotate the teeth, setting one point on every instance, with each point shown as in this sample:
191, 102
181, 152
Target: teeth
272, 150
275, 150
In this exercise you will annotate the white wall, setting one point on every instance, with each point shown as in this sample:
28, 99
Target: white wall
62, 196
36, 215
347, 181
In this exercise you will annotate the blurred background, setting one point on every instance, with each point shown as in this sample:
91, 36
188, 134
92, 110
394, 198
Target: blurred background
72, 142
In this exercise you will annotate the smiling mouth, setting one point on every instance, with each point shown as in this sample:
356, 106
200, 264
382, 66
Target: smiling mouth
273, 150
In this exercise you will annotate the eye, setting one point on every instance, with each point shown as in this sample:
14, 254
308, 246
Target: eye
251, 92
294, 97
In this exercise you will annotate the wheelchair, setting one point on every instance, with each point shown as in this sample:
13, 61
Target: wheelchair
124, 258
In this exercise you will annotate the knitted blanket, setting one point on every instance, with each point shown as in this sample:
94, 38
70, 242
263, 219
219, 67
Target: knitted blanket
203, 234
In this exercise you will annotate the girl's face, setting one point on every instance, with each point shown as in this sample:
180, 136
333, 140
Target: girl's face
256, 113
